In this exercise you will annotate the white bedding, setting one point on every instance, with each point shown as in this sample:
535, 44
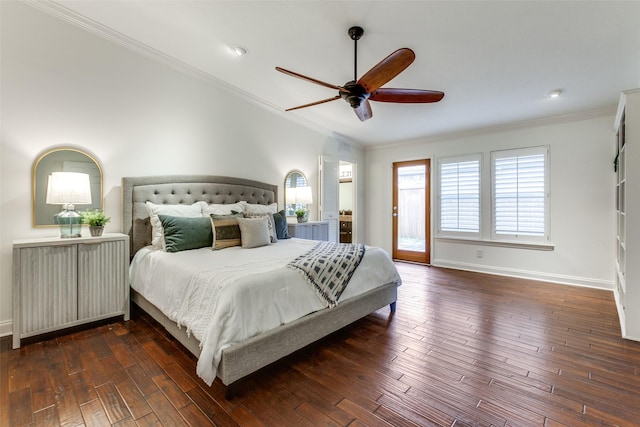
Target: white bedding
226, 296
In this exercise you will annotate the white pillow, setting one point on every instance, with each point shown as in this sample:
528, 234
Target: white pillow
271, 224
157, 233
254, 232
253, 208
219, 209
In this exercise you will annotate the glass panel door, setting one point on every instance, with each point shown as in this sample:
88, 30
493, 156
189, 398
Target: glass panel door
411, 226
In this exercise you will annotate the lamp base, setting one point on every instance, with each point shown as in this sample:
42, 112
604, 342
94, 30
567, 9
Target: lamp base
70, 223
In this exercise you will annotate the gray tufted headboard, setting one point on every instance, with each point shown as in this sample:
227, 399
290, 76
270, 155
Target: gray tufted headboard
183, 189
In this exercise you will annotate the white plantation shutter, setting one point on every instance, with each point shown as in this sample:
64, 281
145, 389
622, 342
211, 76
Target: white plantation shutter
329, 195
520, 193
460, 195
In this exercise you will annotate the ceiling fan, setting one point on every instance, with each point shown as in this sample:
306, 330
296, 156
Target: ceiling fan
358, 92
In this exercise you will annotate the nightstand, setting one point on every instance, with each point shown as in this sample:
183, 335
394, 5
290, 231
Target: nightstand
312, 230
59, 283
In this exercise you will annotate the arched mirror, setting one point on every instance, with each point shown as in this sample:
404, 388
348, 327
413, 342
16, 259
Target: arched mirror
297, 193
62, 160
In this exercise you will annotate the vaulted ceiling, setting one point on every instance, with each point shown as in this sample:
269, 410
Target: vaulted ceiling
495, 60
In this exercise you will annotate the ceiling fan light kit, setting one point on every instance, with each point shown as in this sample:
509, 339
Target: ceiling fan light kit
358, 92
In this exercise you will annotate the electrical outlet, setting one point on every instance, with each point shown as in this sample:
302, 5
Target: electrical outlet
479, 253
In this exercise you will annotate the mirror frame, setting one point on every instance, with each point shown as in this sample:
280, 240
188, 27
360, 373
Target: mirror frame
287, 182
36, 197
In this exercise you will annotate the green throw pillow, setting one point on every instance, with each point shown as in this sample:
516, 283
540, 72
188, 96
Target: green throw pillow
183, 233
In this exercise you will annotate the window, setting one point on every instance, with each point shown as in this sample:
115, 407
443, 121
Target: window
460, 195
520, 194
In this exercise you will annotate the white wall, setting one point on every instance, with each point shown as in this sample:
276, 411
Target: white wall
582, 216
64, 86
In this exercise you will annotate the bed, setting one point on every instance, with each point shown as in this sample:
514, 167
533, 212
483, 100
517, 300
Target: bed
373, 284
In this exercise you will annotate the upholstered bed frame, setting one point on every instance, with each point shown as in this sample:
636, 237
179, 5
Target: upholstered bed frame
248, 356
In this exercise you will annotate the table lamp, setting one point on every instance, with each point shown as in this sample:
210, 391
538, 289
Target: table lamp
69, 189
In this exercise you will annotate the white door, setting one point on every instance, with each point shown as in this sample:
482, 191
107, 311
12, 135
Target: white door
329, 192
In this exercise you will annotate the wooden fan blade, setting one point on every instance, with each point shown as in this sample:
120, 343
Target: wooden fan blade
387, 69
309, 79
406, 95
333, 98
364, 111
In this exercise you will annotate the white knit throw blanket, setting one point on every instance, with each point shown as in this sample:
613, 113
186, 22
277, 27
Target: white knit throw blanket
204, 289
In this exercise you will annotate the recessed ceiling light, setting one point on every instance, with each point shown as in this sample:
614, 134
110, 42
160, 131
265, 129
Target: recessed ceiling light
555, 93
238, 50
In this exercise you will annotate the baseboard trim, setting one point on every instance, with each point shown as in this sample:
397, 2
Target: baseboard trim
6, 328
616, 296
527, 274
621, 318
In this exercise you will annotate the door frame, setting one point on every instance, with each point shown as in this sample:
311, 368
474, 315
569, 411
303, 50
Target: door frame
404, 255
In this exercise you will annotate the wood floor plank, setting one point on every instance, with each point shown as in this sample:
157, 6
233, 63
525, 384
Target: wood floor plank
394, 418
165, 411
133, 398
20, 412
194, 416
175, 395
42, 395
210, 408
315, 416
47, 417
113, 403
245, 418
141, 379
150, 420
362, 414
94, 414
462, 349
67, 407
180, 377
83, 390
127, 422
122, 354
97, 372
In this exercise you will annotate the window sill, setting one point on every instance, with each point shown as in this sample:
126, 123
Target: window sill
499, 243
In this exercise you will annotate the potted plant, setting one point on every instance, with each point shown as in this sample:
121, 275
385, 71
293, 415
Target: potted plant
302, 214
96, 219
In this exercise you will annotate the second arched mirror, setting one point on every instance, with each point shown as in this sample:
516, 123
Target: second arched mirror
297, 193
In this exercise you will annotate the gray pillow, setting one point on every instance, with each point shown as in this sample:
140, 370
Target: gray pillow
254, 232
270, 223
184, 233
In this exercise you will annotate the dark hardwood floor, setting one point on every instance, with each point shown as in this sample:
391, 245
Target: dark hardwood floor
463, 349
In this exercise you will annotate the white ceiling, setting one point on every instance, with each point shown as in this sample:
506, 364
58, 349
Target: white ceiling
495, 60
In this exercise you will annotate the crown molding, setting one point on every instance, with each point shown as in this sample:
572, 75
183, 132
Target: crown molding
546, 121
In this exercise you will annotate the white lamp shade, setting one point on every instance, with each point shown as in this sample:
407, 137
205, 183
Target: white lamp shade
68, 188
303, 195
290, 196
